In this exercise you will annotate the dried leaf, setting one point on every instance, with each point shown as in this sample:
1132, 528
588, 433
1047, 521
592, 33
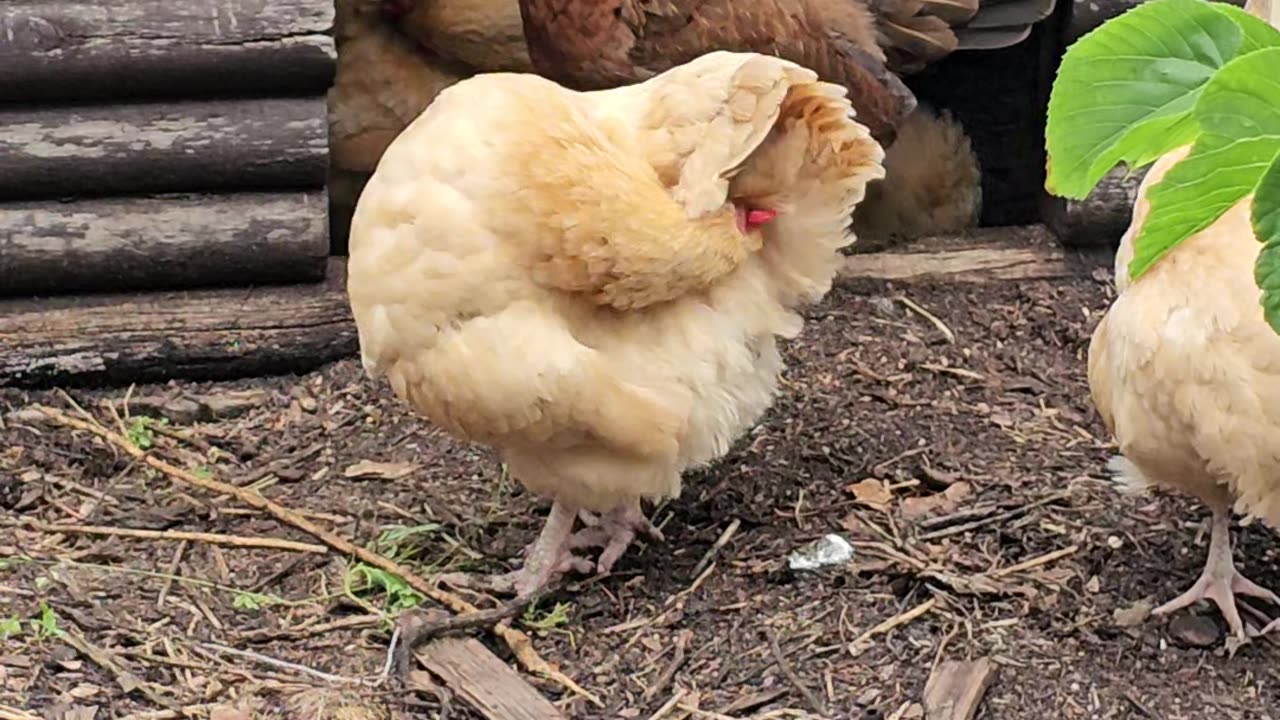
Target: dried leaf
1134, 615
872, 493
370, 470
226, 712
84, 691
947, 501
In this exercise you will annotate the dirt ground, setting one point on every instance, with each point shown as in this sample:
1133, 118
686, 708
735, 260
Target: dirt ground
968, 475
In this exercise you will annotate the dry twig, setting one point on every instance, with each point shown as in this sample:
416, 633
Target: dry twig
790, 673
516, 640
201, 537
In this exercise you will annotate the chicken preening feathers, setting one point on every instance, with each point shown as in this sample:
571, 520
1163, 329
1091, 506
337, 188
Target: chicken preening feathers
593, 282
933, 179
861, 44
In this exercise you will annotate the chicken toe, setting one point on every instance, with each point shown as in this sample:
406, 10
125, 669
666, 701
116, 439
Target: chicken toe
546, 559
614, 532
1220, 581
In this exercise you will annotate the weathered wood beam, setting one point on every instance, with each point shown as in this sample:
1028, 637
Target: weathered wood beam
78, 50
168, 242
210, 334
986, 255
163, 147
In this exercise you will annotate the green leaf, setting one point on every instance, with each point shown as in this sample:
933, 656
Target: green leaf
1266, 225
1258, 34
1239, 117
1126, 91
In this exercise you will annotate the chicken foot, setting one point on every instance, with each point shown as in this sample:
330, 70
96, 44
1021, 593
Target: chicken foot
545, 559
1220, 582
613, 532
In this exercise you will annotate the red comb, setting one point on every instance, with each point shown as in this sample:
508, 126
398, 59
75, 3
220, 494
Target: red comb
760, 217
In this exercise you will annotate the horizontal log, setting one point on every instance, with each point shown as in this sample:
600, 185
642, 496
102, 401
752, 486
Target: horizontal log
986, 255
78, 50
1101, 218
202, 335
197, 146
180, 242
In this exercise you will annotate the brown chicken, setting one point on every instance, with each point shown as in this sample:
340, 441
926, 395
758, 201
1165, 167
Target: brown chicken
932, 184
861, 44
383, 81
487, 35
1185, 372
594, 283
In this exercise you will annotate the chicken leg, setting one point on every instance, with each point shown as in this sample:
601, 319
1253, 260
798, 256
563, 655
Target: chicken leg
1220, 581
546, 558
613, 532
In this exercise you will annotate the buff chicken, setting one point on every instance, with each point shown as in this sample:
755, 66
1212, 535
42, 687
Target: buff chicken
932, 184
1185, 371
383, 81
594, 283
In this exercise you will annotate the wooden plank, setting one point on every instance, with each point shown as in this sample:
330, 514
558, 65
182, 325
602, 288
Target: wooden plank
486, 683
986, 255
156, 243
78, 50
955, 689
209, 334
157, 147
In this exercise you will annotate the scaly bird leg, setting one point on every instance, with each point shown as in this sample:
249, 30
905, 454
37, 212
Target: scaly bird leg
614, 532
1220, 581
548, 557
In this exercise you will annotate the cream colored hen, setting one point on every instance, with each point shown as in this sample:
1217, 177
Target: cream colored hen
1186, 372
593, 283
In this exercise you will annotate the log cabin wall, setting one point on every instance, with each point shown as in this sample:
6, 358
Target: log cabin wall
162, 144
169, 157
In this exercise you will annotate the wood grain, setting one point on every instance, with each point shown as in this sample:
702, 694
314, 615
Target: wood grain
78, 50
486, 683
211, 334
191, 146
160, 243
987, 255
955, 689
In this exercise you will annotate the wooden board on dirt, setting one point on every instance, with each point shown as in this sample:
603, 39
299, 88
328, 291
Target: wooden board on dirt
1028, 252
486, 683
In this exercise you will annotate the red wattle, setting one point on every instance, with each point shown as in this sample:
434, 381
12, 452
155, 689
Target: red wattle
760, 217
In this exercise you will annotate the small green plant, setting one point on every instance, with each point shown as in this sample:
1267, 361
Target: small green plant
202, 472
141, 433
252, 601
401, 542
10, 627
557, 616
1166, 74
398, 595
46, 626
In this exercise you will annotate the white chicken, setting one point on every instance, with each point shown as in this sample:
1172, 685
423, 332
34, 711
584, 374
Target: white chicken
593, 283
